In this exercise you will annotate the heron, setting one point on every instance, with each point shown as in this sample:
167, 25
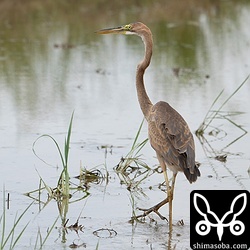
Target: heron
168, 132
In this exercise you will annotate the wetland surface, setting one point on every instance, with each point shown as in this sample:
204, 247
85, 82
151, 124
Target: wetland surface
52, 63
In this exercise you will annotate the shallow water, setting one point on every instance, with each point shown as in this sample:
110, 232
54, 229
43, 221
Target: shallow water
52, 64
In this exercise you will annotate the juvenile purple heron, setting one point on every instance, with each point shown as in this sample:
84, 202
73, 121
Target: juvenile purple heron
168, 132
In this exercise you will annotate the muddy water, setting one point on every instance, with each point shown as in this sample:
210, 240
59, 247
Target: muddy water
52, 64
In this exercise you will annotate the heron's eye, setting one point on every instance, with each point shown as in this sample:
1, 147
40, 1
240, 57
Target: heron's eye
128, 27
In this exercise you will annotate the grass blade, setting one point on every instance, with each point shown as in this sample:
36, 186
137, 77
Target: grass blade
57, 146
212, 114
3, 219
137, 134
63, 181
48, 233
67, 142
11, 233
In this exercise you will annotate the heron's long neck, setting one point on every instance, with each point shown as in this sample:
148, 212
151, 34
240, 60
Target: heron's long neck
143, 98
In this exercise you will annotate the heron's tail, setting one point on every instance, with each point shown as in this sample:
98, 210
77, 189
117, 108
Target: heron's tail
192, 177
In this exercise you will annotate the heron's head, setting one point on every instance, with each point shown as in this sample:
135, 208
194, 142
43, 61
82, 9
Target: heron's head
137, 28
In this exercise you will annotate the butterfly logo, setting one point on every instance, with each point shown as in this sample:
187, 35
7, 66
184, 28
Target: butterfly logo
210, 219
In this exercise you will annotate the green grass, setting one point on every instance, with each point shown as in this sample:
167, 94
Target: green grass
63, 184
132, 169
40, 242
218, 113
11, 237
63, 192
210, 128
64, 188
133, 158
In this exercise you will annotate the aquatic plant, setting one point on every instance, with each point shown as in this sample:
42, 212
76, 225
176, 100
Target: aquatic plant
219, 113
217, 131
63, 184
133, 159
11, 238
87, 176
131, 169
65, 189
40, 241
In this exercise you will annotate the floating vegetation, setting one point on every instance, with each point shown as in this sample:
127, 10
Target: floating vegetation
79, 245
133, 159
209, 127
222, 158
131, 169
74, 227
90, 176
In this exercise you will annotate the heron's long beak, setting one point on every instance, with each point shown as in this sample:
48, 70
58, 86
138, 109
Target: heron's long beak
118, 30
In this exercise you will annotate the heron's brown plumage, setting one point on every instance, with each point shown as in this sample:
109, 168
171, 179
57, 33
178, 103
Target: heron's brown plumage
171, 138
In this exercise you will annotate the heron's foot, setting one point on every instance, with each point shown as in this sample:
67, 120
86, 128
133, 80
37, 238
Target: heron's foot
153, 209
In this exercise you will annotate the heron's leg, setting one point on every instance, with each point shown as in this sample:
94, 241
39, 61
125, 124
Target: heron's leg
147, 211
168, 199
170, 191
154, 209
173, 183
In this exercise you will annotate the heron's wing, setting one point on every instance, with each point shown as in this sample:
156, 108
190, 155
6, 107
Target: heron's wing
171, 138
